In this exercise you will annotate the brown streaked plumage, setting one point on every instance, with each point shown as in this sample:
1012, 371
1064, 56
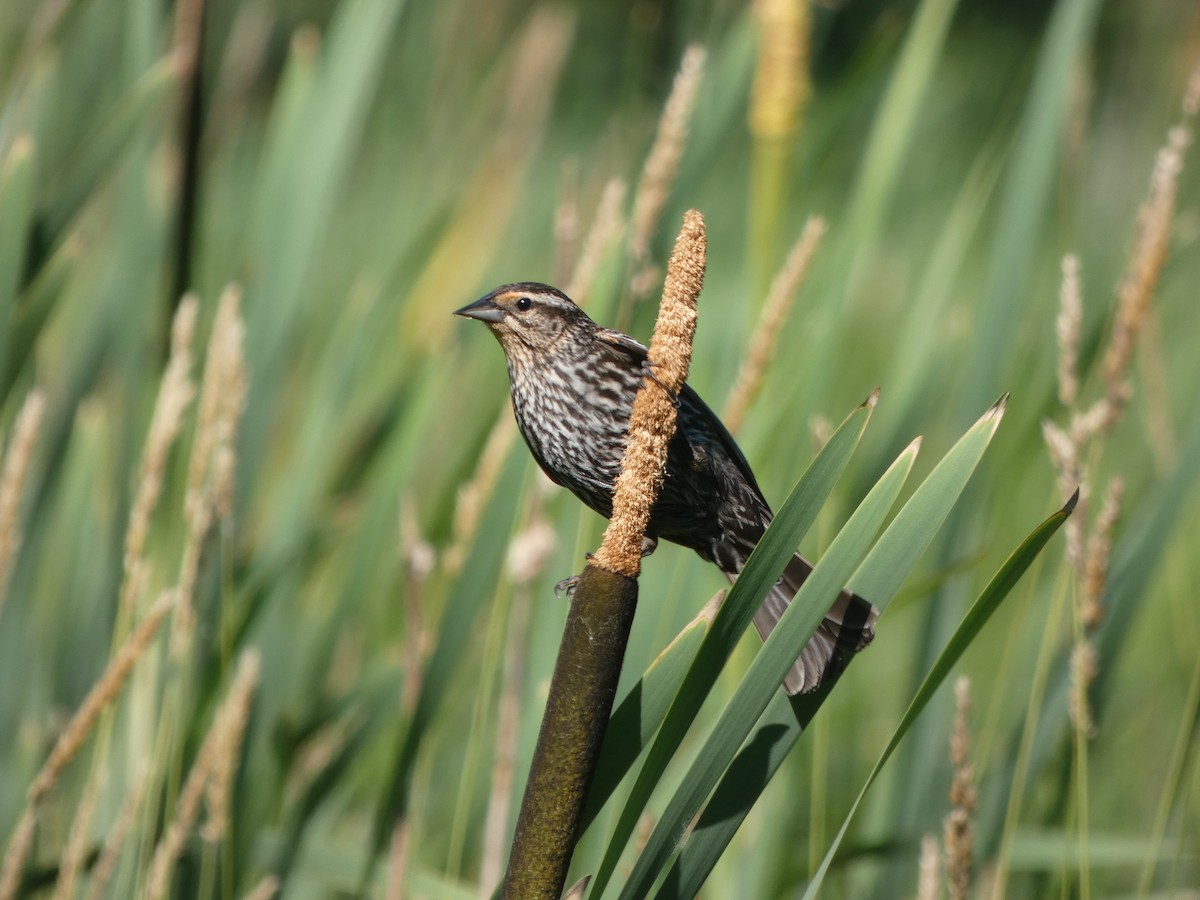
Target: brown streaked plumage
573, 385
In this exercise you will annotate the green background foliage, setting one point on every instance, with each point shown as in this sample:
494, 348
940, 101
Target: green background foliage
367, 166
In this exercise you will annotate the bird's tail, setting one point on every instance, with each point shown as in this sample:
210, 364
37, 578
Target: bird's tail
847, 628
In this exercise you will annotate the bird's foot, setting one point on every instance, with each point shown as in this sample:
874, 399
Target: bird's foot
567, 585
648, 369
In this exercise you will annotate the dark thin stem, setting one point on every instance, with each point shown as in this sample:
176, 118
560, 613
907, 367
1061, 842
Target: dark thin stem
190, 33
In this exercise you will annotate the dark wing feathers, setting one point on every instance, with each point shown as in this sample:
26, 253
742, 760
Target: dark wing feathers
623, 342
690, 400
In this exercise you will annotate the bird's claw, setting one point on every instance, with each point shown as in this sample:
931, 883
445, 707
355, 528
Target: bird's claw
567, 585
648, 368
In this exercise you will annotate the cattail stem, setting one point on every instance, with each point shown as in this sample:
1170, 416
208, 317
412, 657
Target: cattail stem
581, 696
593, 647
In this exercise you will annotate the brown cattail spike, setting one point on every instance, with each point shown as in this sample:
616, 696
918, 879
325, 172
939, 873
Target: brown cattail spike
781, 85
774, 315
652, 423
959, 832
605, 228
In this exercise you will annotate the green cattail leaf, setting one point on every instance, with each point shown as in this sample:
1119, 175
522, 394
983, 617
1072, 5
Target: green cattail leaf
474, 587
752, 769
988, 602
897, 551
767, 671
1025, 195
916, 366
38, 302
1044, 849
17, 180
130, 119
880, 177
314, 138
878, 578
777, 733
762, 570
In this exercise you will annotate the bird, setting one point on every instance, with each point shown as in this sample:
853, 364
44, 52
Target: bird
573, 384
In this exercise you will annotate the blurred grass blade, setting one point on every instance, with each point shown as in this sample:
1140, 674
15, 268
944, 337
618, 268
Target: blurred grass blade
1044, 849
987, 603
343, 759
1024, 195
37, 304
913, 395
895, 123
883, 163
100, 156
315, 135
17, 178
762, 570
766, 673
879, 578
474, 587
1174, 791
1137, 559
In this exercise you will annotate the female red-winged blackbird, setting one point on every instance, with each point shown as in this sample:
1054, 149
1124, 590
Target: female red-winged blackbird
573, 385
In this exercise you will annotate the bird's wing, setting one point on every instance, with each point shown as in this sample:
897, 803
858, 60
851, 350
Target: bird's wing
623, 342
700, 409
689, 398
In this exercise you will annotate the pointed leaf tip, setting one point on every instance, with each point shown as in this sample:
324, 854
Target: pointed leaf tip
1069, 507
872, 399
575, 891
1000, 405
711, 608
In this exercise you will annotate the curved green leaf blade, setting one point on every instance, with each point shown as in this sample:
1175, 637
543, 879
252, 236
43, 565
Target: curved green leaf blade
881, 172
762, 570
738, 790
897, 551
18, 177
989, 601
767, 671
879, 578
1025, 196
1135, 560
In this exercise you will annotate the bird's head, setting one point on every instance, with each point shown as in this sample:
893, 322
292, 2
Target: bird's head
529, 318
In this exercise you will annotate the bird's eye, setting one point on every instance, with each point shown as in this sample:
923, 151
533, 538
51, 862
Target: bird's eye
523, 304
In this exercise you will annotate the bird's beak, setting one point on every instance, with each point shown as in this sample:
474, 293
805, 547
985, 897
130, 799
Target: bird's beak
484, 310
